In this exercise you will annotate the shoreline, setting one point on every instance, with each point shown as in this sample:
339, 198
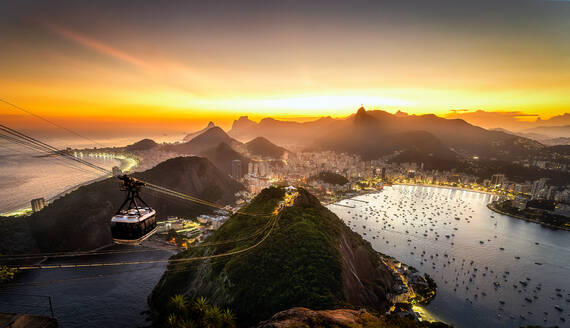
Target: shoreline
445, 187
494, 209
26, 208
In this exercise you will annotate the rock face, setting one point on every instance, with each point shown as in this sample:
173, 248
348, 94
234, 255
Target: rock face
192, 135
303, 317
310, 259
81, 219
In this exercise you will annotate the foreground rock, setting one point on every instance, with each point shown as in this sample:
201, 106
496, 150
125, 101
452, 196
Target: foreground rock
340, 318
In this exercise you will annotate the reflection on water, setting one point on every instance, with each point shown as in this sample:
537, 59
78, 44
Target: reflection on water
485, 264
25, 177
89, 297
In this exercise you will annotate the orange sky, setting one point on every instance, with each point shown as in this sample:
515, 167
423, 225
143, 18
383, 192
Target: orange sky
180, 65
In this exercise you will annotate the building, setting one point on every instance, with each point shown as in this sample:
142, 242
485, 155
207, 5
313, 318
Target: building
497, 180
538, 189
236, 169
38, 204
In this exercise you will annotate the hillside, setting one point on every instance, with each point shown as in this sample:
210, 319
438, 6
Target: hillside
192, 135
81, 219
144, 144
280, 132
209, 139
329, 177
265, 148
311, 259
222, 156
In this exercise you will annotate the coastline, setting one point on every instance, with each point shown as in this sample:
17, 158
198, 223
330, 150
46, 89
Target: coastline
494, 209
419, 309
444, 187
25, 209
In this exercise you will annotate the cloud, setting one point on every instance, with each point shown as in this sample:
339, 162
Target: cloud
513, 120
101, 47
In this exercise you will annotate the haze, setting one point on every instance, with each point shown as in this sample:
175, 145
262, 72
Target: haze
180, 64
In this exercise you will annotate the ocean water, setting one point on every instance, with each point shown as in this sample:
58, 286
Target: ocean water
468, 255
24, 177
114, 296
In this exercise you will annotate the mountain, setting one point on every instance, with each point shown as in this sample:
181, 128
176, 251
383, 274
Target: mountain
265, 148
551, 131
371, 134
206, 140
286, 133
310, 259
329, 177
80, 220
144, 144
547, 138
222, 156
192, 135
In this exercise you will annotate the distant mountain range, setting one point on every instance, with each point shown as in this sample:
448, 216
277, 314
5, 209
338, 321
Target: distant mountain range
377, 133
437, 142
547, 135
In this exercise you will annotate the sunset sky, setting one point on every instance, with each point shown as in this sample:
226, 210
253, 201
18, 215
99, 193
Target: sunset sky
181, 63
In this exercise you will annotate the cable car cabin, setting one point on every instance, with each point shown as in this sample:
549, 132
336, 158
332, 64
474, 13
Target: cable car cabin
133, 226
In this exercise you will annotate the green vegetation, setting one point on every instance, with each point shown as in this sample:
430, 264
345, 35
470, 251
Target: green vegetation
534, 215
197, 313
329, 177
6, 273
299, 264
80, 220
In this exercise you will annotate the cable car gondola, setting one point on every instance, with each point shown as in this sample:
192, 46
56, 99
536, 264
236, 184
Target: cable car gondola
135, 223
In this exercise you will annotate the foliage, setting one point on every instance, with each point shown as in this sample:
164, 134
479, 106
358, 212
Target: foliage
329, 177
197, 313
299, 264
6, 273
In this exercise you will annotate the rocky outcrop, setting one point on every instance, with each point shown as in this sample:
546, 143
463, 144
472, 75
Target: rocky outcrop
303, 317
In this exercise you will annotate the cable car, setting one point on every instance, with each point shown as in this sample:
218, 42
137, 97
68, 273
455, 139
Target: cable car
133, 224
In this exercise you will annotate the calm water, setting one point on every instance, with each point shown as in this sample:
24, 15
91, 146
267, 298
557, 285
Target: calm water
24, 177
90, 297
411, 224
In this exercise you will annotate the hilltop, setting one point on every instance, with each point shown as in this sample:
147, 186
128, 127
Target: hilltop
80, 220
206, 140
192, 135
222, 156
311, 259
329, 177
265, 148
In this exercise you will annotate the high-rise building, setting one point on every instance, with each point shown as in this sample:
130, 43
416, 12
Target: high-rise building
383, 173
538, 188
250, 168
236, 169
497, 180
38, 204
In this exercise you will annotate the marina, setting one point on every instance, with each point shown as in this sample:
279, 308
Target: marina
505, 271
